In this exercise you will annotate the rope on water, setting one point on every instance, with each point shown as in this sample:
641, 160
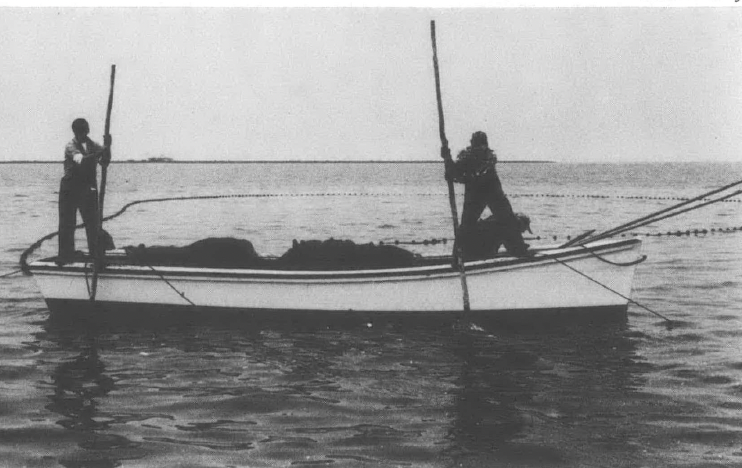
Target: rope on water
669, 212
416, 242
402, 194
677, 233
622, 197
24, 256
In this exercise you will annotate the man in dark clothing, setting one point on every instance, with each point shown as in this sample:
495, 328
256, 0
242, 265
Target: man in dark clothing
475, 167
488, 236
78, 189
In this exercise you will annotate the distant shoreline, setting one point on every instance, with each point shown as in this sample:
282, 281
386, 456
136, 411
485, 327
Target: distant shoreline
275, 162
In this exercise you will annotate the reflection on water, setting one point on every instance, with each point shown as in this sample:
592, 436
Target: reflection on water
542, 398
245, 393
215, 394
79, 384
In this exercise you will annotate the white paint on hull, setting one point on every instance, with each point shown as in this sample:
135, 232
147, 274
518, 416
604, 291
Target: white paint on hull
535, 284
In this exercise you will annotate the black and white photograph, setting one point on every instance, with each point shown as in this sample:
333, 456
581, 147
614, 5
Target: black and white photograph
371, 235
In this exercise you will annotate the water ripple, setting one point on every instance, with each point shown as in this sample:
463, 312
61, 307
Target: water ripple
160, 392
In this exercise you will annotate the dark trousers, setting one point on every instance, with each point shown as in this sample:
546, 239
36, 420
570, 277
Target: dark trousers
73, 197
487, 192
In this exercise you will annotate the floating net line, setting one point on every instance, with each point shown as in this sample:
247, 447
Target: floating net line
37, 244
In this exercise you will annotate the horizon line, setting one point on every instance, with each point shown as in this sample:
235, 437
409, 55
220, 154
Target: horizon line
263, 161
360, 161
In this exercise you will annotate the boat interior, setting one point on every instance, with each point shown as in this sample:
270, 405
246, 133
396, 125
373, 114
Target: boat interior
305, 255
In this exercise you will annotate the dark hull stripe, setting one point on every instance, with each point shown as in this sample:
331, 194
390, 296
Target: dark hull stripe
139, 311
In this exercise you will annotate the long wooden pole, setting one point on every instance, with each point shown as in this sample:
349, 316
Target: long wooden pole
99, 251
446, 155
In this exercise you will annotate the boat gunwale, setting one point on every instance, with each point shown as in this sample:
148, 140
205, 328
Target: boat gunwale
445, 269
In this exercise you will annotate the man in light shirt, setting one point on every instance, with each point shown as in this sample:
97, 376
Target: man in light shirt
79, 189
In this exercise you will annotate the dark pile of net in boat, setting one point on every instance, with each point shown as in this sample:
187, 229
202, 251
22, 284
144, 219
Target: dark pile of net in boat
214, 252
345, 254
228, 252
483, 241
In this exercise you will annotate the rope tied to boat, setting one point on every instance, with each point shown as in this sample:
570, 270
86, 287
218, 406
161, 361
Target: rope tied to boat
180, 293
87, 281
667, 320
621, 264
11, 273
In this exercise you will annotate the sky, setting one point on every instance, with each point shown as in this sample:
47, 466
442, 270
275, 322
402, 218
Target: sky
567, 84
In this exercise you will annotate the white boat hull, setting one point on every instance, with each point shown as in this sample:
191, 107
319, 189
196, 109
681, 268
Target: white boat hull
570, 278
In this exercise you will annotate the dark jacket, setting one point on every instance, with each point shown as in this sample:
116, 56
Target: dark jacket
473, 164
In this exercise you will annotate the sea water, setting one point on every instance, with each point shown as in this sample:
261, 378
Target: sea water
200, 392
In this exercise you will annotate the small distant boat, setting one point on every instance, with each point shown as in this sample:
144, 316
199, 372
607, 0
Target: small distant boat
594, 277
